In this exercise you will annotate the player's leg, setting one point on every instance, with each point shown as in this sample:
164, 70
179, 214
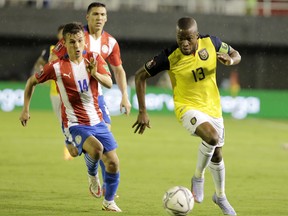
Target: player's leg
217, 168
111, 161
198, 123
85, 142
107, 120
93, 152
69, 145
112, 177
56, 106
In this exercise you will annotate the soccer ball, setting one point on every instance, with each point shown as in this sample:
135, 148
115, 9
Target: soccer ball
178, 201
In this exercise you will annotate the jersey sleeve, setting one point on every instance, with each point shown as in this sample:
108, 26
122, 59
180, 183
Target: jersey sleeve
219, 45
102, 66
115, 57
47, 73
159, 63
60, 50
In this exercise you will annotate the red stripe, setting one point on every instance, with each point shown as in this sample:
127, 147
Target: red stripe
73, 94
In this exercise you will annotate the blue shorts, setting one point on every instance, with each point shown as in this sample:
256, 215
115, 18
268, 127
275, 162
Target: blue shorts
80, 133
104, 109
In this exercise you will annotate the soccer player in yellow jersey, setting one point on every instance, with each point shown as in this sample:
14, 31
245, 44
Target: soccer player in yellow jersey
191, 64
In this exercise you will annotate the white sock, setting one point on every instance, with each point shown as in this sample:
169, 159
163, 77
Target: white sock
205, 153
218, 174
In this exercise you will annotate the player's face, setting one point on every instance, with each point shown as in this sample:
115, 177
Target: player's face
96, 18
187, 40
75, 45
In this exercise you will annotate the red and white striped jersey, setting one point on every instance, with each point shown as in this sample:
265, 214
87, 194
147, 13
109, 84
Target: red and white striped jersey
106, 45
78, 89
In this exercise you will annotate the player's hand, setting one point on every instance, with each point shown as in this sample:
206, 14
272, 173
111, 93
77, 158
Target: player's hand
224, 58
125, 105
91, 66
141, 123
24, 117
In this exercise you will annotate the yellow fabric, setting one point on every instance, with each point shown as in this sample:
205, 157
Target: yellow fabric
53, 86
194, 80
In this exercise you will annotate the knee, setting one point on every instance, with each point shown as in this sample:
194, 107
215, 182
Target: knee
73, 151
97, 152
217, 156
213, 139
112, 166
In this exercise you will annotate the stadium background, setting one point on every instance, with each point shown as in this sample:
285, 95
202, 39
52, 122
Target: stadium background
258, 29
36, 181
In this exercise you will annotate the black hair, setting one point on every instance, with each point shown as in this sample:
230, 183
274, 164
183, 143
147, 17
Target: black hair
72, 28
95, 4
60, 27
186, 22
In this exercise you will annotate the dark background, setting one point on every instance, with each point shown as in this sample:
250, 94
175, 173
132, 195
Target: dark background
261, 41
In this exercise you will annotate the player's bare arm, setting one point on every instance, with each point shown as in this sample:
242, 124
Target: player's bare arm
120, 77
28, 92
143, 119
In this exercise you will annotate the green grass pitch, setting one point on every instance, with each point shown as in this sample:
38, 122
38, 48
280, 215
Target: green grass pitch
36, 181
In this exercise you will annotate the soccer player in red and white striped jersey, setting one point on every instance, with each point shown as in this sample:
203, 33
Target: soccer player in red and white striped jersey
77, 78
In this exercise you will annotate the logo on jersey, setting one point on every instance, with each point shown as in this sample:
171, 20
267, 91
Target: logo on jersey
150, 64
58, 47
104, 49
203, 54
193, 121
67, 75
78, 139
39, 73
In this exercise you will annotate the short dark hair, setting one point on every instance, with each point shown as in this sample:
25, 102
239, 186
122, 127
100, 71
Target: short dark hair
95, 4
72, 28
60, 27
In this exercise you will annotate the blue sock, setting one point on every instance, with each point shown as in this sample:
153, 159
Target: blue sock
103, 174
92, 165
112, 182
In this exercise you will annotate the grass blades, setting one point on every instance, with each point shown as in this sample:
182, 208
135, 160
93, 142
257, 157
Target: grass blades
35, 180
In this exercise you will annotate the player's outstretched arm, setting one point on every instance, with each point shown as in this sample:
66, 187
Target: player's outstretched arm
140, 84
28, 92
120, 77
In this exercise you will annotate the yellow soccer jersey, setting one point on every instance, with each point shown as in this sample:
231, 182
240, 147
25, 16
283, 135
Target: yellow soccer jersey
193, 77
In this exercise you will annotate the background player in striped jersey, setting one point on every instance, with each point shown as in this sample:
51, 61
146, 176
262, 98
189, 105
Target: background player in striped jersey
191, 64
77, 79
98, 40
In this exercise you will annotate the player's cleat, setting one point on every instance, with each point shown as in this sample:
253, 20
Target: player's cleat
197, 189
67, 155
223, 203
94, 186
110, 206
